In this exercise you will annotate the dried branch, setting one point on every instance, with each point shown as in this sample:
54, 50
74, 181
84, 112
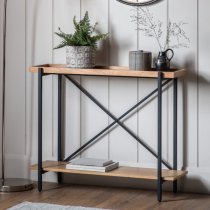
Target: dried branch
146, 23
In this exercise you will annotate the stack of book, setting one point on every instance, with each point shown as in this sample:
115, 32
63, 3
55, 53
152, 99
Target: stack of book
92, 164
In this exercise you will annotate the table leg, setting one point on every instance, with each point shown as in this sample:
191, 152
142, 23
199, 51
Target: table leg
159, 162
40, 74
175, 132
59, 124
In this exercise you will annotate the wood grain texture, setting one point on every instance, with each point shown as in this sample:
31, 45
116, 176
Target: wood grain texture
115, 71
106, 198
122, 171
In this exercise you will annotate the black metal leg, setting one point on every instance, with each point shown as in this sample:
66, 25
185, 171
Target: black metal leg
175, 132
59, 123
159, 171
40, 73
115, 119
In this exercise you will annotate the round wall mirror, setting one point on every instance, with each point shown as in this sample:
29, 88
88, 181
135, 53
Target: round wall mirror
138, 2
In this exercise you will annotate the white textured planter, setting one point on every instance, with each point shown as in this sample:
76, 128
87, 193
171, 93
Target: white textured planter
80, 57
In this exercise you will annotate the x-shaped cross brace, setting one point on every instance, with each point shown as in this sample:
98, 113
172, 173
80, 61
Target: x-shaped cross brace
116, 120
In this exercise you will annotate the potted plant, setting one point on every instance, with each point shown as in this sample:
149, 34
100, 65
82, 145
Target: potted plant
80, 46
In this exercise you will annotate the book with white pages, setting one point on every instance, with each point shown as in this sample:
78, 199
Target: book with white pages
91, 162
106, 168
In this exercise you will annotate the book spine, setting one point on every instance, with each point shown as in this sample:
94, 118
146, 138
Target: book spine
111, 167
86, 169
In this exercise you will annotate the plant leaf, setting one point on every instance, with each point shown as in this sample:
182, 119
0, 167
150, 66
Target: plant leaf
82, 35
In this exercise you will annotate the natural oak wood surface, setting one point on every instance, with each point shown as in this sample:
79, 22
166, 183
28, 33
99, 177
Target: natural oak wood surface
114, 71
106, 198
127, 172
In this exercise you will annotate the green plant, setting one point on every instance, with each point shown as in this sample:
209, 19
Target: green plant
83, 35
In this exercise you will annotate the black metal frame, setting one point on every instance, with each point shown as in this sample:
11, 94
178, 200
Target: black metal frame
160, 84
59, 124
40, 170
175, 102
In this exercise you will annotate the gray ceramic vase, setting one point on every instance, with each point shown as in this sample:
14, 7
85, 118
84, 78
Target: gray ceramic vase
80, 57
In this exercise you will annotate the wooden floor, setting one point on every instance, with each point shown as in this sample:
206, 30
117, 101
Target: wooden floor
106, 197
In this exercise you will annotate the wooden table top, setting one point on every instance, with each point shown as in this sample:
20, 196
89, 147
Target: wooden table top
111, 71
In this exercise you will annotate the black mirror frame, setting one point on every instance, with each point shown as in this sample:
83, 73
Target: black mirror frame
138, 3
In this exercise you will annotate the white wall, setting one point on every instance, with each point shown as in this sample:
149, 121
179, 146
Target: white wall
31, 27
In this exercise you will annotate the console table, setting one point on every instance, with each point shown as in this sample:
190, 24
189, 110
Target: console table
163, 78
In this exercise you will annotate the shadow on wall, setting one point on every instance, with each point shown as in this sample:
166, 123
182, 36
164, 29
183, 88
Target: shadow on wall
194, 185
189, 82
191, 183
113, 47
193, 80
102, 54
116, 46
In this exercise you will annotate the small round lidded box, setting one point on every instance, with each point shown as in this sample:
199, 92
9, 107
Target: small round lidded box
140, 60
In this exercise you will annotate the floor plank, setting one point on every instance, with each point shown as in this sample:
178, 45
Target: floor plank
106, 197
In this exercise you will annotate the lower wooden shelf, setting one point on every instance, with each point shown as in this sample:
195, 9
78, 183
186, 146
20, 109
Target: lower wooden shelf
122, 171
